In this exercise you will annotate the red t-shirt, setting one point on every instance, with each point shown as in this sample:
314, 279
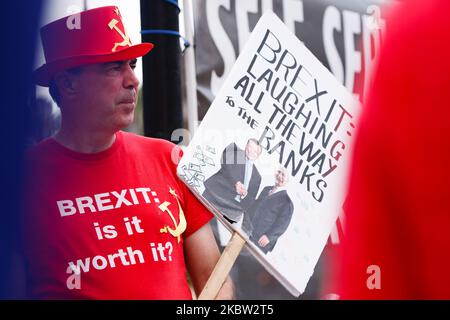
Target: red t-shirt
107, 225
397, 243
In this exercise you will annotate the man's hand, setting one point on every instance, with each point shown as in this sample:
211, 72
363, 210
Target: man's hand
263, 241
240, 189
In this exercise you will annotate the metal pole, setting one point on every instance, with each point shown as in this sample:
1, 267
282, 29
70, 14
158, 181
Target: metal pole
190, 74
162, 112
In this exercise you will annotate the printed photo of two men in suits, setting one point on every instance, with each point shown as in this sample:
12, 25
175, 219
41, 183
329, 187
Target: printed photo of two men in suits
234, 191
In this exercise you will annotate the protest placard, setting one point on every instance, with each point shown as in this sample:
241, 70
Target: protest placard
271, 155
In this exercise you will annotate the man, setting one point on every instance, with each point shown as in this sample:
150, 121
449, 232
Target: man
234, 187
268, 218
106, 216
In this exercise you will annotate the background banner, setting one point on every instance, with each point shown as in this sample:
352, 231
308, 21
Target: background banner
345, 35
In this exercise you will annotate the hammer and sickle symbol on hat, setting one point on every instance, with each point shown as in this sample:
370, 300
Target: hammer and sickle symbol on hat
179, 227
126, 39
116, 10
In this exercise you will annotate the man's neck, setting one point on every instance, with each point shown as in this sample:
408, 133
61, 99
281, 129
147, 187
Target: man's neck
84, 142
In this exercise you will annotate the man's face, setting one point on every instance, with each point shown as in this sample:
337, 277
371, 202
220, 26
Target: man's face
107, 94
280, 178
252, 150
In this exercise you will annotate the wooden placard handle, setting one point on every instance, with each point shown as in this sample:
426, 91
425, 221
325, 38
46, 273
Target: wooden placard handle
222, 267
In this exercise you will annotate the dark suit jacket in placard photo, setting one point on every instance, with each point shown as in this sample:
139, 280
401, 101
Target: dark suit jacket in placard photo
269, 215
220, 188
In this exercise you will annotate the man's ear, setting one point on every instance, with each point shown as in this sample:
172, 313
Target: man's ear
67, 84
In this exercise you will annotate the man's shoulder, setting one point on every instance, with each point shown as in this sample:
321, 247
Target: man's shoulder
151, 147
40, 149
233, 146
287, 200
284, 193
147, 142
282, 196
237, 154
40, 157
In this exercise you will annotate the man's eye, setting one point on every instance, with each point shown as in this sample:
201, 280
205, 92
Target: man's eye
114, 68
133, 66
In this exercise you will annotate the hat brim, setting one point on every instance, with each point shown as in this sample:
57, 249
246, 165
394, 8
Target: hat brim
45, 73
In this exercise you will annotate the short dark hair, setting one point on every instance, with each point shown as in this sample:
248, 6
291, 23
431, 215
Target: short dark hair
53, 88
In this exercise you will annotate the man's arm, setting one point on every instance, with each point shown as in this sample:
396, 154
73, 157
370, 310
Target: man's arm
202, 254
281, 223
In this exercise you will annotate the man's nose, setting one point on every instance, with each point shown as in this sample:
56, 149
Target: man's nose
130, 79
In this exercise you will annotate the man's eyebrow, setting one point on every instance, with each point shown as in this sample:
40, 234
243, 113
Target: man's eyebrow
113, 63
120, 62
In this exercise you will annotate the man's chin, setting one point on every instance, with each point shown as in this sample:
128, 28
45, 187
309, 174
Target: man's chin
126, 122
127, 107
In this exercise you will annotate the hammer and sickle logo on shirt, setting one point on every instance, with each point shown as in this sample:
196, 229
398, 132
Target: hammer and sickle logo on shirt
179, 227
126, 39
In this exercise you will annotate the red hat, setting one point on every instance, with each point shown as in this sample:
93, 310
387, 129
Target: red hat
96, 36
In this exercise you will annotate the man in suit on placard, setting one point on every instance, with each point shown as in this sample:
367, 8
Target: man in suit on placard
269, 217
233, 188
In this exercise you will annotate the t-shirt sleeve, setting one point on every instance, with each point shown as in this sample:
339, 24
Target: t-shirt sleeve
197, 215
